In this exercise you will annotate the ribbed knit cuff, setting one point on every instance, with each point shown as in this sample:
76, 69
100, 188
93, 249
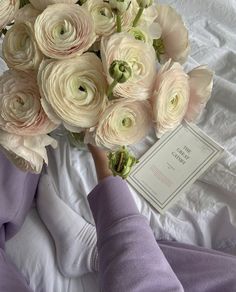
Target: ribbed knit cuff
111, 201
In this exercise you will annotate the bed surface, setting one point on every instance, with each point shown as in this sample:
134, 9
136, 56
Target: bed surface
206, 214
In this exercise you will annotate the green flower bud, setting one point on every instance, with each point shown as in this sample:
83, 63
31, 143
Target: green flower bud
144, 3
121, 162
120, 71
119, 6
77, 140
159, 48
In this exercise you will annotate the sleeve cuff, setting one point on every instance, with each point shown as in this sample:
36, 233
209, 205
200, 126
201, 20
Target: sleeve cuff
111, 201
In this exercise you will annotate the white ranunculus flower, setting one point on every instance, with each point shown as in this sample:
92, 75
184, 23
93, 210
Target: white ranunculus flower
42, 4
128, 16
27, 152
123, 123
142, 34
119, 6
174, 41
21, 111
201, 83
140, 57
170, 98
103, 16
8, 9
74, 90
64, 30
148, 16
27, 14
20, 49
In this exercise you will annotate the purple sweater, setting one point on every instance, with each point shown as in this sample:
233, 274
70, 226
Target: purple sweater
129, 257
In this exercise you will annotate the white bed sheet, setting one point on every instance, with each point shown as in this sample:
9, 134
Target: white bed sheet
206, 214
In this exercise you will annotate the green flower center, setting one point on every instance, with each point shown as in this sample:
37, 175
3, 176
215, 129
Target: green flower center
127, 122
82, 88
104, 11
174, 101
159, 47
20, 101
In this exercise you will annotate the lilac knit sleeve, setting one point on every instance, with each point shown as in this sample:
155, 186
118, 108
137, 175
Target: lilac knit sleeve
129, 256
17, 190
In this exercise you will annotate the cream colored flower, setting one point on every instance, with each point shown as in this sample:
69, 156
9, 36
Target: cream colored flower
103, 16
74, 90
119, 6
27, 14
124, 122
142, 34
8, 9
128, 16
27, 152
20, 49
140, 57
42, 4
174, 41
170, 98
148, 16
64, 30
146, 22
21, 111
201, 83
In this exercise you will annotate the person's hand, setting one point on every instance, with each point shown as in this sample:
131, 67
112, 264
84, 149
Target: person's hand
100, 161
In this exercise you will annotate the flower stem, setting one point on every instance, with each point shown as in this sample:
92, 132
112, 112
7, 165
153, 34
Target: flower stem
111, 87
158, 56
118, 22
139, 14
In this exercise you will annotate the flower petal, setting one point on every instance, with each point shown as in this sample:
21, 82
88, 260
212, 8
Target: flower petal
201, 83
171, 97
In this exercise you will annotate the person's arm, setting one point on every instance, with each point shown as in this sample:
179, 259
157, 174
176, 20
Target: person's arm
129, 256
17, 190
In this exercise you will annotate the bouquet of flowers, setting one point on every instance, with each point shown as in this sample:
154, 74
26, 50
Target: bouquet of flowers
106, 70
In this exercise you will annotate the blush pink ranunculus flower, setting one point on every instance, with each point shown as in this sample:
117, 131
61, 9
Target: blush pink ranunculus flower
123, 123
174, 41
103, 16
42, 4
27, 14
63, 31
73, 91
140, 57
27, 152
170, 98
201, 83
21, 112
8, 9
20, 49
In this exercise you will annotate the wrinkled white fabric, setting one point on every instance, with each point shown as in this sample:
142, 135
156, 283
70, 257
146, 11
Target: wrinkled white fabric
206, 214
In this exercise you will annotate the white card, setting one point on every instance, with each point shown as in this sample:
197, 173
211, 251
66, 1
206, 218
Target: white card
173, 164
